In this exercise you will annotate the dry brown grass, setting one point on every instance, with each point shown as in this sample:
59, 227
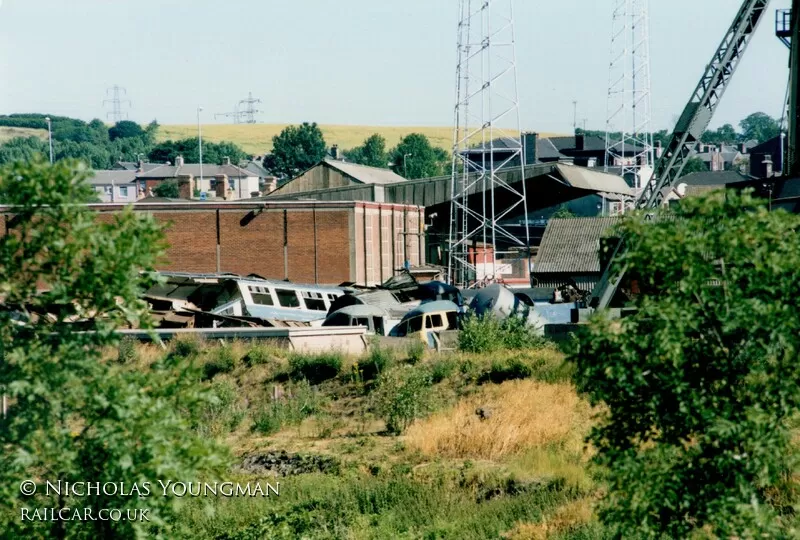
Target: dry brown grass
562, 520
8, 133
257, 138
525, 415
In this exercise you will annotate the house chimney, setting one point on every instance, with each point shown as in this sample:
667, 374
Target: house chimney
140, 166
743, 148
767, 166
335, 151
227, 160
529, 141
179, 161
580, 141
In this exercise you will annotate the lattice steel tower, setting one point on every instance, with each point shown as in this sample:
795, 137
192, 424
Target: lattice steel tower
488, 160
629, 138
116, 101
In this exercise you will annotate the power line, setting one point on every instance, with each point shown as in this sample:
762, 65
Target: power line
244, 112
116, 101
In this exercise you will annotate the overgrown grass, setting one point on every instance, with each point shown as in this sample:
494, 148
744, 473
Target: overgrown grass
299, 402
486, 334
222, 361
315, 368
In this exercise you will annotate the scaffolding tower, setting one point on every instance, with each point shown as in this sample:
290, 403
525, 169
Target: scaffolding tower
629, 137
487, 150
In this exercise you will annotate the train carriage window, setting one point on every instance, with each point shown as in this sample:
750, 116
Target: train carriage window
261, 295
361, 321
452, 320
314, 300
433, 321
339, 319
287, 298
415, 324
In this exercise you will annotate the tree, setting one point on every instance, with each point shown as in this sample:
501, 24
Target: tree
693, 165
372, 152
725, 134
759, 126
168, 189
699, 389
93, 155
296, 149
23, 149
73, 416
414, 157
125, 130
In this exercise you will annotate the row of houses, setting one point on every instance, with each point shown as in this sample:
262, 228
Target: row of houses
130, 182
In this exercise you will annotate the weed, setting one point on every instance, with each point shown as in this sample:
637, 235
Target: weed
186, 346
224, 361
416, 352
403, 395
506, 370
441, 369
258, 355
488, 334
127, 352
302, 401
224, 413
377, 361
315, 368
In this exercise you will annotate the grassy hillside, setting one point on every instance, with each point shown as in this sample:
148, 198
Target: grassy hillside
8, 133
517, 469
257, 138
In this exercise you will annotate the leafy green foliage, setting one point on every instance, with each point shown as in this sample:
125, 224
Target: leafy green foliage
563, 212
725, 134
73, 416
416, 352
296, 149
372, 153
415, 157
694, 165
125, 130
759, 126
377, 360
168, 189
214, 153
222, 413
489, 334
403, 395
223, 361
701, 384
126, 351
315, 368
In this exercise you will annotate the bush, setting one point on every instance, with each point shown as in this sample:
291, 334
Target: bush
315, 368
185, 347
441, 369
126, 351
701, 383
257, 355
403, 395
506, 370
303, 401
416, 352
376, 362
224, 361
487, 334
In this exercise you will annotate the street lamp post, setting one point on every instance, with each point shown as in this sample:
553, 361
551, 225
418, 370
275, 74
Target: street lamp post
50, 137
405, 167
200, 142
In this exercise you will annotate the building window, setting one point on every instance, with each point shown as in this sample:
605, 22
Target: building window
123, 191
287, 298
231, 184
107, 190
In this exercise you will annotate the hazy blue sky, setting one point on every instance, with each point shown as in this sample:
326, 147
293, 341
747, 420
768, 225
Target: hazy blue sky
374, 62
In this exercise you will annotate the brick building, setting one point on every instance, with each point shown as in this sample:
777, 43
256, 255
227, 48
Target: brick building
325, 243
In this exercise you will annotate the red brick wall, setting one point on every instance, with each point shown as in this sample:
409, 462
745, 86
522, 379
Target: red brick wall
320, 240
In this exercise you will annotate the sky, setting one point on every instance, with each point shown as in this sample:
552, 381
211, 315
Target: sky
356, 62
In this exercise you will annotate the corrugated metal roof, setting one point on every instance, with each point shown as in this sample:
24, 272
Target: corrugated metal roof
583, 178
364, 174
572, 246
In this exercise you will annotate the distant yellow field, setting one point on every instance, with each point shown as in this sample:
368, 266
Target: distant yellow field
8, 133
257, 138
